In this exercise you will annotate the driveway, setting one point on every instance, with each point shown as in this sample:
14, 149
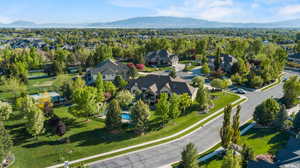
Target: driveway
204, 138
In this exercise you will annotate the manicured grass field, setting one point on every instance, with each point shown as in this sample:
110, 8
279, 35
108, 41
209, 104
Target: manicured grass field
89, 138
262, 141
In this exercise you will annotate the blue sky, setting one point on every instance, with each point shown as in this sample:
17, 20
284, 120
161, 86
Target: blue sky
83, 11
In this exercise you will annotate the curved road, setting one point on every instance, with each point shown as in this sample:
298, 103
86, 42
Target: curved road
203, 138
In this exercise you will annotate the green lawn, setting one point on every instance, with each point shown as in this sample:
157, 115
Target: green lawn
89, 138
262, 141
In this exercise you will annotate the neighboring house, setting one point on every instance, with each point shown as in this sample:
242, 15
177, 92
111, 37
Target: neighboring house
153, 85
56, 98
294, 58
227, 62
161, 58
109, 69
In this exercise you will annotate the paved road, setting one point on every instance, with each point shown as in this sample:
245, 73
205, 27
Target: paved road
203, 138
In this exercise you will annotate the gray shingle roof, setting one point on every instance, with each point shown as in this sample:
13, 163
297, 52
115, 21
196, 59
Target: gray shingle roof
109, 67
157, 82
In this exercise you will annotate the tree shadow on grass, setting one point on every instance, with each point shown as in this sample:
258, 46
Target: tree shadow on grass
98, 136
278, 142
259, 132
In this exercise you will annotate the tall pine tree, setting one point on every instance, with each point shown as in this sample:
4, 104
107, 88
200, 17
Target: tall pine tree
140, 115
113, 119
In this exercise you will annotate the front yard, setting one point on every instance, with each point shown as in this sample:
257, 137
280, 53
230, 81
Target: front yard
90, 138
261, 140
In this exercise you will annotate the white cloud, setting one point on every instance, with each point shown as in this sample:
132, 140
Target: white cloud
290, 10
202, 9
5, 19
134, 3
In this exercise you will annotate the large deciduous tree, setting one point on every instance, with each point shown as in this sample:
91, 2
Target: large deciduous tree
5, 111
291, 90
202, 98
163, 108
266, 113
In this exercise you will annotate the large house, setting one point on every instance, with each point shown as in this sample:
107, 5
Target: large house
152, 86
226, 64
109, 70
161, 58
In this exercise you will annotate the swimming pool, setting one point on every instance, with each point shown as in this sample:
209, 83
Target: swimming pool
126, 116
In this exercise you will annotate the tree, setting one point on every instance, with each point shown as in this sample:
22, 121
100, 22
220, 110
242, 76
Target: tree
189, 156
163, 108
172, 73
247, 154
133, 72
5, 111
298, 46
84, 102
202, 98
291, 89
205, 69
140, 117
197, 81
5, 143
219, 83
236, 126
110, 87
266, 113
256, 81
185, 102
226, 130
120, 82
296, 122
102, 53
282, 117
218, 60
125, 98
99, 84
60, 128
14, 86
174, 111
60, 82
36, 119
231, 160
113, 120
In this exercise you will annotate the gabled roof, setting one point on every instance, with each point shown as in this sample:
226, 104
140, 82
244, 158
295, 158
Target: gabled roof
161, 54
109, 67
156, 82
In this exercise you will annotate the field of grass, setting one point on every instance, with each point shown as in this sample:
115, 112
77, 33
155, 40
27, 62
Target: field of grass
89, 138
261, 140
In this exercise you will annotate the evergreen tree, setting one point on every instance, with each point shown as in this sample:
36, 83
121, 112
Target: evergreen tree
189, 156
218, 60
231, 160
226, 130
113, 119
174, 106
163, 108
5, 143
140, 117
236, 126
291, 90
266, 113
133, 72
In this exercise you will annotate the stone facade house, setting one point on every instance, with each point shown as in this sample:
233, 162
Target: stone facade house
109, 69
161, 58
152, 86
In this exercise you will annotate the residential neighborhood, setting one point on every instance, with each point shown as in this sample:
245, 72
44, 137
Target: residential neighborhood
177, 87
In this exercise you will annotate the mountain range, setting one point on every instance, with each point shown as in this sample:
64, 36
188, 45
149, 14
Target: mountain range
159, 22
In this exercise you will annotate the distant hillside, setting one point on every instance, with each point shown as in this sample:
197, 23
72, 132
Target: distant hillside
160, 22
